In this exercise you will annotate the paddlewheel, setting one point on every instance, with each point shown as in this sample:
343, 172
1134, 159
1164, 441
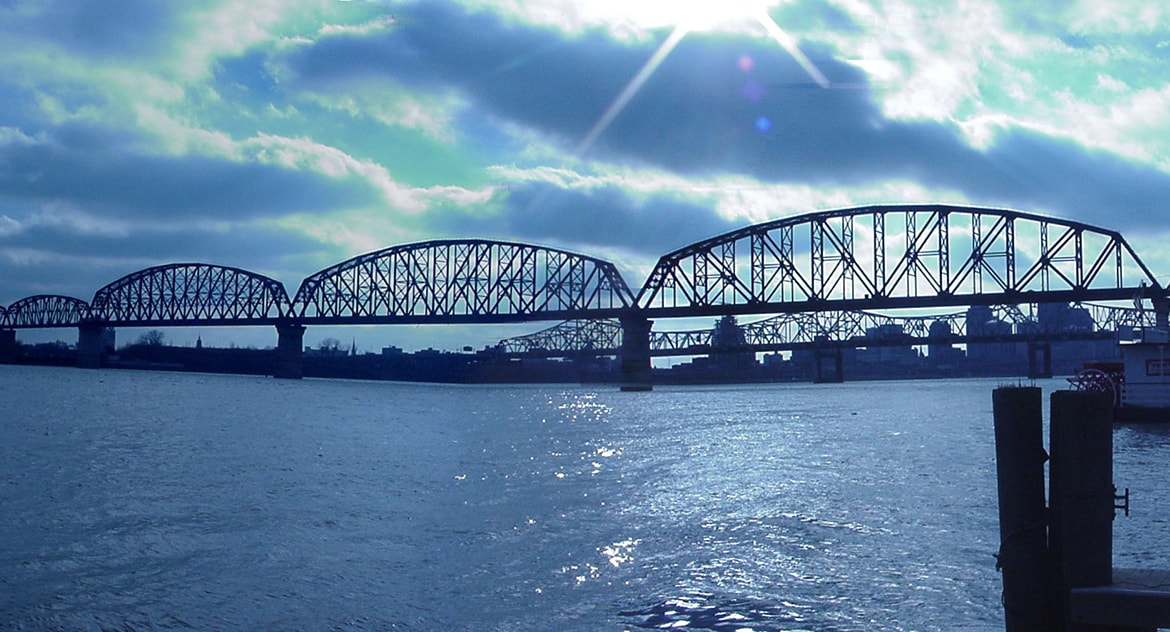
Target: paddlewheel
1103, 377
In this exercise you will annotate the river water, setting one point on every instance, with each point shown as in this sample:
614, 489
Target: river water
140, 501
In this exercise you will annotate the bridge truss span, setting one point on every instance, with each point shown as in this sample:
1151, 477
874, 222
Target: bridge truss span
470, 280
572, 337
192, 294
892, 257
843, 328
45, 311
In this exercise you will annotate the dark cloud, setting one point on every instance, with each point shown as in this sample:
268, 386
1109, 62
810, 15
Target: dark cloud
96, 169
77, 263
721, 104
102, 28
588, 220
1102, 188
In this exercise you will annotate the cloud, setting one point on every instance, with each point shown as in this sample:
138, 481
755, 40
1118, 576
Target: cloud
590, 219
109, 28
99, 170
75, 256
722, 104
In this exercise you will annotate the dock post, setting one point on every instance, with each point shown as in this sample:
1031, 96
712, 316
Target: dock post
1023, 549
1080, 533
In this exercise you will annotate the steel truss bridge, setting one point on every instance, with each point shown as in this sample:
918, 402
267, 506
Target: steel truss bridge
821, 330
825, 276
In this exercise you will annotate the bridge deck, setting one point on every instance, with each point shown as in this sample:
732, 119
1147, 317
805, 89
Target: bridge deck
1138, 598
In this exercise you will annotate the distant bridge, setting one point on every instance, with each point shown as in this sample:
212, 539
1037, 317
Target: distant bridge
831, 329
843, 264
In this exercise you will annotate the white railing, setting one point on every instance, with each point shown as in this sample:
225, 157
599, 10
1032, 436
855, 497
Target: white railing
1146, 394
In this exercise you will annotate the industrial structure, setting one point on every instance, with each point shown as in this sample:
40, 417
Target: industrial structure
824, 277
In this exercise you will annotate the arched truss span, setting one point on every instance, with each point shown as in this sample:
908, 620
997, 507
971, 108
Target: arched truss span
891, 257
46, 311
192, 294
570, 337
471, 280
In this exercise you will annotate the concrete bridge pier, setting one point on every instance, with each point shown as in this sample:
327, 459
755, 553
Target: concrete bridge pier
290, 352
635, 358
1161, 311
1039, 360
8, 346
829, 366
94, 344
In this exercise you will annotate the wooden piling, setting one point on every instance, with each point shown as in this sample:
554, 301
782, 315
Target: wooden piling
1080, 533
1023, 551
1081, 487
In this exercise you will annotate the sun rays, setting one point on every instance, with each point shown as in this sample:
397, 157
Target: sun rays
687, 23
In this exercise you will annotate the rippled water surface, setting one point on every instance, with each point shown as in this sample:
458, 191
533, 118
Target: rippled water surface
138, 501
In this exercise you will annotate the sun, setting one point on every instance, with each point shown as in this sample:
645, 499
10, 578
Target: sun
689, 15
683, 17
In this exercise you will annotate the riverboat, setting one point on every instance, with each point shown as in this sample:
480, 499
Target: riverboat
1139, 382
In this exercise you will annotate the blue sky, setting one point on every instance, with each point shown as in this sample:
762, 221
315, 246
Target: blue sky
283, 136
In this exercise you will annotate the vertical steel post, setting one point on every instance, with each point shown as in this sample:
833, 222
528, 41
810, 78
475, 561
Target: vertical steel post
1023, 545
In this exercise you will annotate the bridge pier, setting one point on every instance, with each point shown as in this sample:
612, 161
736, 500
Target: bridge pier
94, 344
1039, 360
635, 358
1161, 311
290, 352
828, 366
8, 346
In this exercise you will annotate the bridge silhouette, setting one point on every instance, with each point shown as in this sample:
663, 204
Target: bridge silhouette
838, 266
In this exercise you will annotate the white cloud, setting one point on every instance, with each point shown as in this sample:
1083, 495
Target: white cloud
392, 106
1118, 16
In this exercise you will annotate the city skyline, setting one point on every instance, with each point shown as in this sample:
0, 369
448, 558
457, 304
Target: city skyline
283, 137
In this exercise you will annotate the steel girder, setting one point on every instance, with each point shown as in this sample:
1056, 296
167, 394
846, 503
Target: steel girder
892, 257
45, 311
191, 294
471, 280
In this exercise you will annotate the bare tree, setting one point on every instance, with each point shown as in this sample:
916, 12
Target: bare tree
329, 344
152, 338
